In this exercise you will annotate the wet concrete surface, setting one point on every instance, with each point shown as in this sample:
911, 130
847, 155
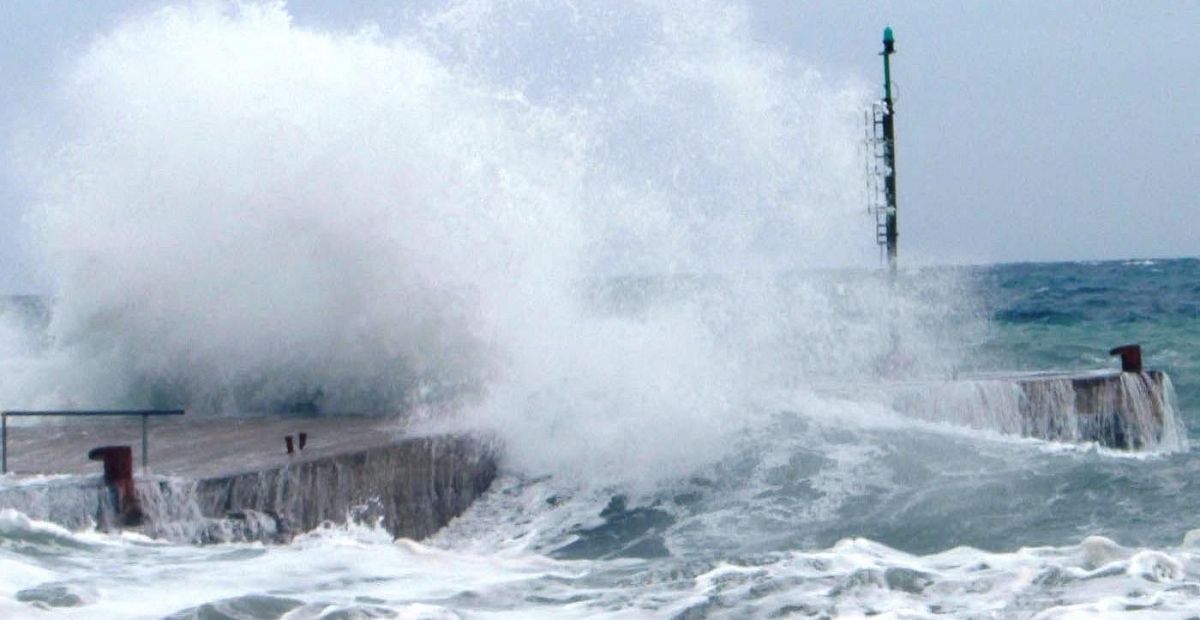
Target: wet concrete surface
218, 479
190, 446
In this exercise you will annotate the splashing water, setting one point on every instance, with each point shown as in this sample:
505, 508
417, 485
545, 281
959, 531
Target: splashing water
242, 214
606, 233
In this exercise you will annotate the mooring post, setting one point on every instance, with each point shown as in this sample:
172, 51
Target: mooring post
1131, 357
3, 443
118, 476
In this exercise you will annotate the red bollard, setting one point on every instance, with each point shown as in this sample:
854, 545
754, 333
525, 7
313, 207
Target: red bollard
118, 475
1131, 357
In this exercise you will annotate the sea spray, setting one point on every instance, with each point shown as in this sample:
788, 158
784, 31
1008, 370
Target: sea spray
251, 216
588, 294
245, 215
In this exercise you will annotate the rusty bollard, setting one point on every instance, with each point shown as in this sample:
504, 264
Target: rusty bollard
303, 440
291, 447
118, 476
1131, 357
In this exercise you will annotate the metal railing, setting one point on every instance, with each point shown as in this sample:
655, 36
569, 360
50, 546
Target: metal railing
145, 413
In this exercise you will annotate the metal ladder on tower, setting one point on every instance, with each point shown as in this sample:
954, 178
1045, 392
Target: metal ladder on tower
876, 172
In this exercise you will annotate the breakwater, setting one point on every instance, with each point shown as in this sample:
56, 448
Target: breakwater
1120, 410
267, 479
223, 479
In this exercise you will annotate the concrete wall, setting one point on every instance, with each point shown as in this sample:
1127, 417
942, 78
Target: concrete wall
411, 486
1121, 410
1128, 411
414, 487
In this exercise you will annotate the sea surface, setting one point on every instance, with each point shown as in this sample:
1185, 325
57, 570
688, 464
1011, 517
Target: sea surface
825, 506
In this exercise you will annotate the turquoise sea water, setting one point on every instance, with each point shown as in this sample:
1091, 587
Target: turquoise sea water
1064, 315
1058, 316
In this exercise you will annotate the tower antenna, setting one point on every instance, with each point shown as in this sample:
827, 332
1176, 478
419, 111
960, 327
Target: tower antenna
881, 157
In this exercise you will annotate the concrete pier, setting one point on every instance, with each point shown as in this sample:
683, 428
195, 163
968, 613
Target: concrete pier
1120, 410
230, 478
238, 478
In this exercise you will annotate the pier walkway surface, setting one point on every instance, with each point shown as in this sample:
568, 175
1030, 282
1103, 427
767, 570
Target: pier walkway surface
192, 446
214, 479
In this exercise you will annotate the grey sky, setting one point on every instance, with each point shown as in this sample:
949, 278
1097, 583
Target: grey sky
1031, 130
1026, 130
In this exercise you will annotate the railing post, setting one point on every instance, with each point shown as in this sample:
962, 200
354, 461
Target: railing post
144, 413
145, 445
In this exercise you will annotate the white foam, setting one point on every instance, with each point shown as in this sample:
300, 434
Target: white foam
351, 567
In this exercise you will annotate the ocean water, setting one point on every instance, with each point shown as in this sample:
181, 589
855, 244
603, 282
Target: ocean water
625, 241
843, 512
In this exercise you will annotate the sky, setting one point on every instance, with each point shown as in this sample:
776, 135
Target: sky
1026, 131
1030, 131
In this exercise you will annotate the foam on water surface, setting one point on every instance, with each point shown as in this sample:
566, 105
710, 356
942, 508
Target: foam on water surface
359, 571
